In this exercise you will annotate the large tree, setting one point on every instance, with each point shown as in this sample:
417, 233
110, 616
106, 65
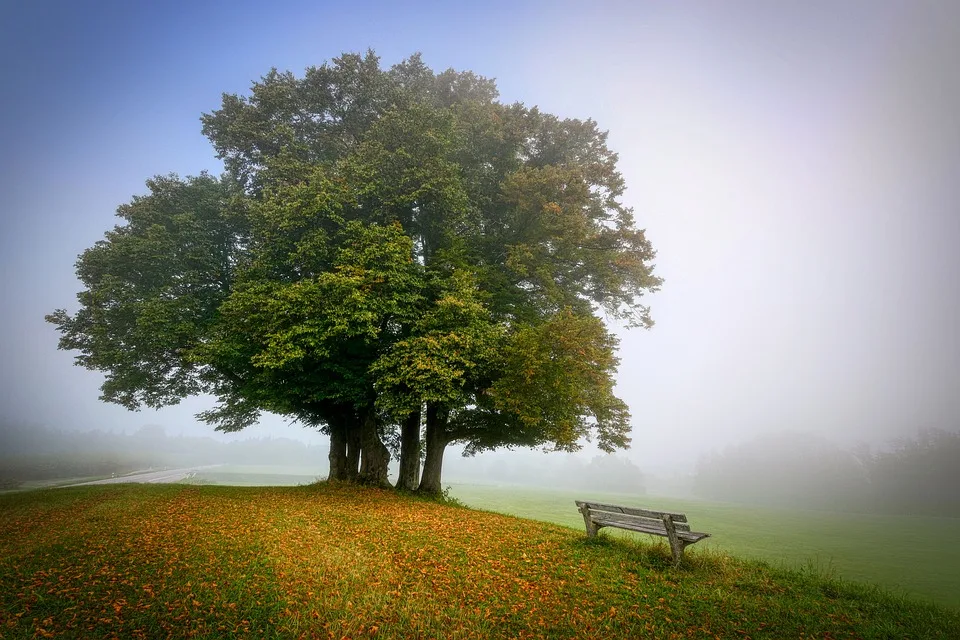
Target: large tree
390, 254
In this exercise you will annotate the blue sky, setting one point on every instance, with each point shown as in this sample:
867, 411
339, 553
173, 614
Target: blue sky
794, 163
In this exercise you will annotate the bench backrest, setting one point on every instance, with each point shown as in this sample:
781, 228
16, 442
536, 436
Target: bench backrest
634, 515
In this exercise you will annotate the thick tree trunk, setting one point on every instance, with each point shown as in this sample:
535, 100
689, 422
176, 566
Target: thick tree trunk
338, 451
436, 440
374, 456
409, 453
352, 472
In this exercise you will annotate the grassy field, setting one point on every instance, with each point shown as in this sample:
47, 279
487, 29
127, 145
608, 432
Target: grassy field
918, 555
146, 561
258, 475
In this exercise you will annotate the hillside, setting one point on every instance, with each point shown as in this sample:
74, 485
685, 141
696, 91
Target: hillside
334, 561
916, 555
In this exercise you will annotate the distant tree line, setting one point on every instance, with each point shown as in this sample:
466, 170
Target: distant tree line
919, 475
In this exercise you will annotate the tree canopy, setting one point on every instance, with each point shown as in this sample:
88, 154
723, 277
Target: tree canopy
390, 255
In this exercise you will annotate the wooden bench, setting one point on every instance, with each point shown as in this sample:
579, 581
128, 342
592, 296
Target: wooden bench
673, 526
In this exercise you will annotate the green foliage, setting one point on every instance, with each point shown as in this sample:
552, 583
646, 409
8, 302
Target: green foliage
450, 352
383, 240
153, 287
315, 119
557, 379
312, 341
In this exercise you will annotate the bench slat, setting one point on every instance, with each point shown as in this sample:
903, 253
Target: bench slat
638, 520
631, 511
686, 536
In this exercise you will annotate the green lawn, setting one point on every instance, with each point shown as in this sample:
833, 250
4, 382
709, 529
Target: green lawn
258, 475
919, 555
150, 561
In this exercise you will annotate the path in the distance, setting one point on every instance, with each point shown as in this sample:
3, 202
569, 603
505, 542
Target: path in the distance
152, 477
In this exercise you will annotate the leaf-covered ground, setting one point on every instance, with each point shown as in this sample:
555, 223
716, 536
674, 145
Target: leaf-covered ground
143, 561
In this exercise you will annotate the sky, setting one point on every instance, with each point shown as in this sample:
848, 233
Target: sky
796, 166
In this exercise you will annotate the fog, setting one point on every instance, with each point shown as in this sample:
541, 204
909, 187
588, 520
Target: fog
795, 166
35, 454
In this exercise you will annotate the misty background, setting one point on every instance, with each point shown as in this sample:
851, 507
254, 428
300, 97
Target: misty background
794, 164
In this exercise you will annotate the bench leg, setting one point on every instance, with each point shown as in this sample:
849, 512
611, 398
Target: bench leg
676, 545
588, 523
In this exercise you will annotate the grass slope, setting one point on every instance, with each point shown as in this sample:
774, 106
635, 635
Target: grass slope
919, 555
146, 561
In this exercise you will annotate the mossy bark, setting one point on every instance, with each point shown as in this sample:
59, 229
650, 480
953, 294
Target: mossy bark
437, 440
374, 456
410, 453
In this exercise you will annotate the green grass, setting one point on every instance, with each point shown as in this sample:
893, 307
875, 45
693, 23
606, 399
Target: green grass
918, 555
145, 561
257, 475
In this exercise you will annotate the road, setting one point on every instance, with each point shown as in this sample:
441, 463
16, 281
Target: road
152, 477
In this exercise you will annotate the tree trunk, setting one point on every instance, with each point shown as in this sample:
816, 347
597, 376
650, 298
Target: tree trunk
437, 440
374, 456
338, 451
409, 453
352, 471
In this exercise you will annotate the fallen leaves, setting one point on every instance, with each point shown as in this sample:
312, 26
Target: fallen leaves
340, 561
